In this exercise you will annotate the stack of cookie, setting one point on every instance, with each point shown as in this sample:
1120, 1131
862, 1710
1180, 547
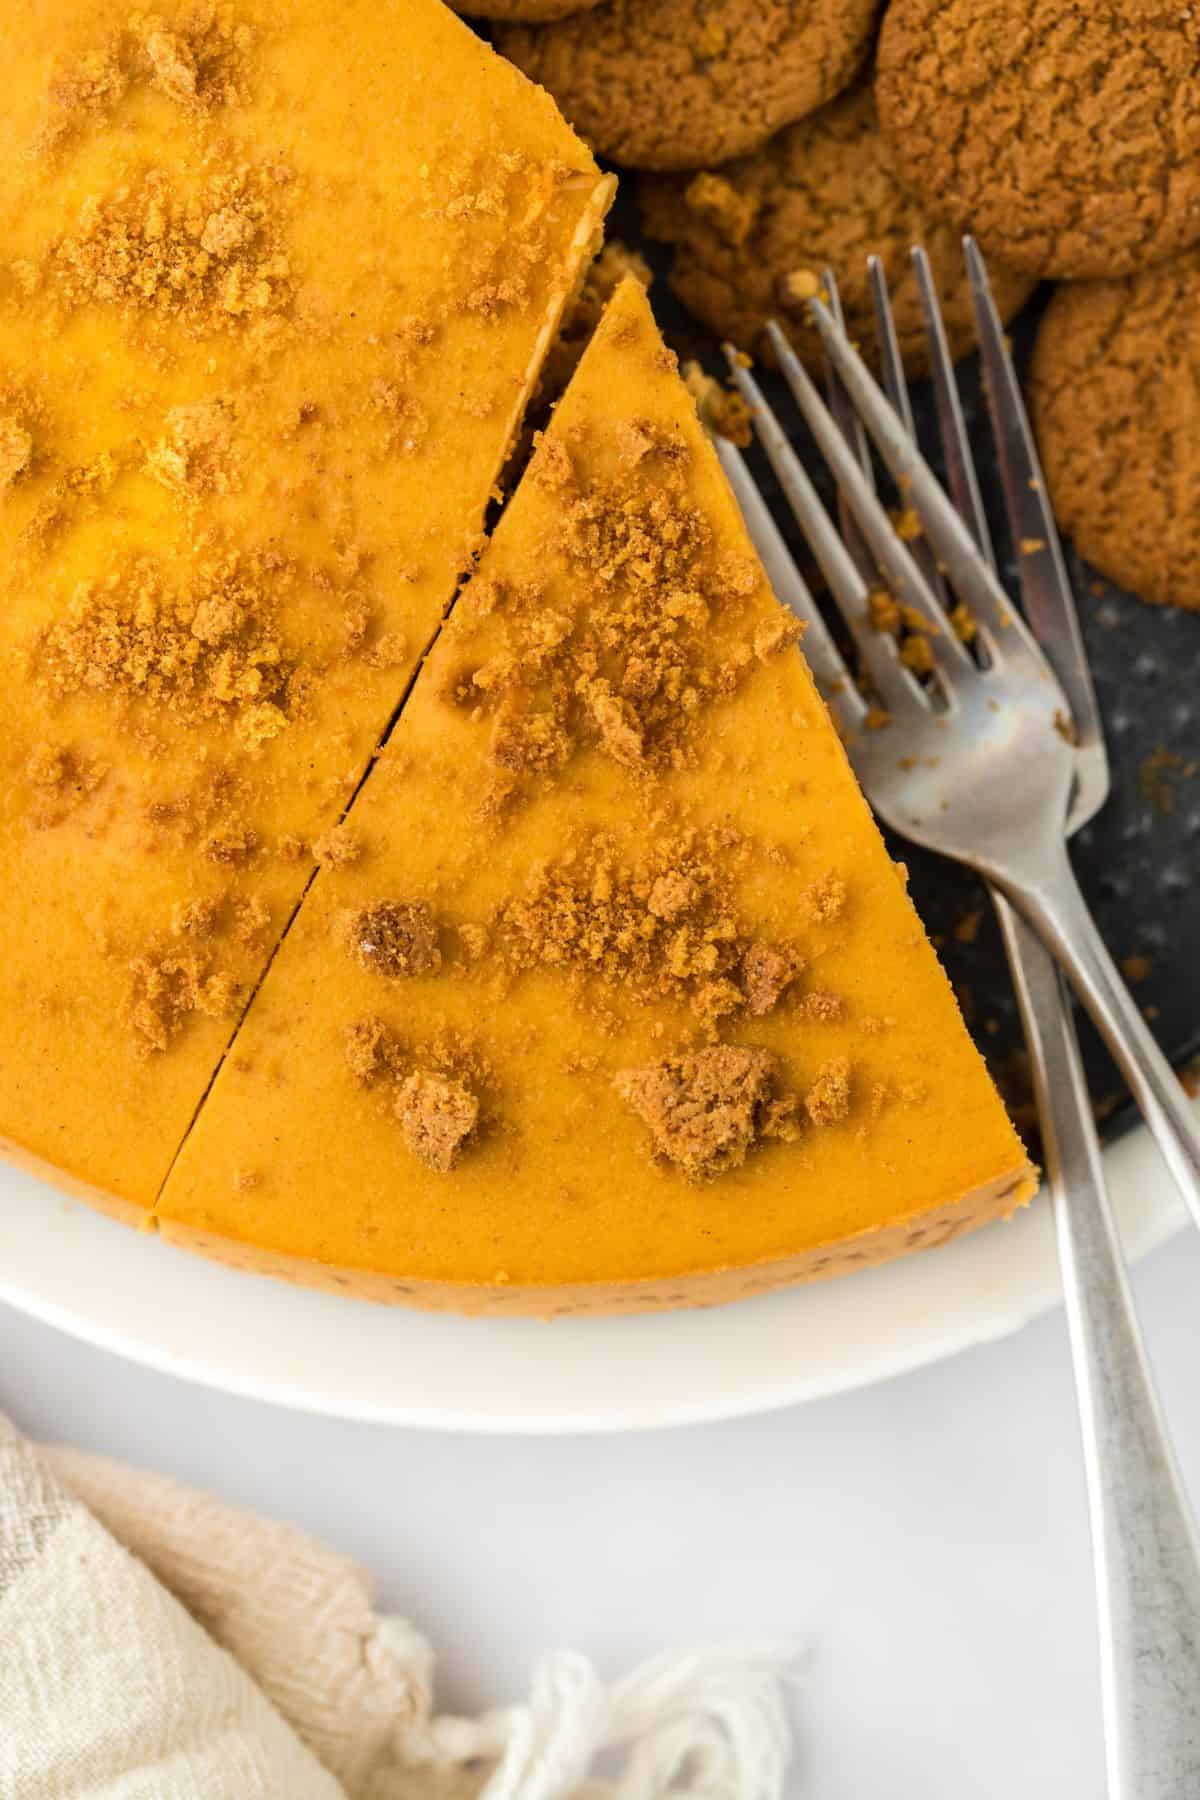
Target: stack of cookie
784, 135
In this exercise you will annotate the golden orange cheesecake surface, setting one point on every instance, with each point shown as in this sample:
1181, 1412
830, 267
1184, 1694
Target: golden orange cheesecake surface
613, 996
274, 284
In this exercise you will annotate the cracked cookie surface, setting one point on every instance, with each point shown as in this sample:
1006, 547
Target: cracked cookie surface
679, 84
1067, 138
752, 239
1116, 392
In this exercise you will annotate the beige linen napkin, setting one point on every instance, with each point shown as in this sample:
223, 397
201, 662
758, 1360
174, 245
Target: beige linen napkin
156, 1645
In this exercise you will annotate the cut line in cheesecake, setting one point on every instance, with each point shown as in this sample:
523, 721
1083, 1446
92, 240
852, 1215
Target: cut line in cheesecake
616, 999
277, 285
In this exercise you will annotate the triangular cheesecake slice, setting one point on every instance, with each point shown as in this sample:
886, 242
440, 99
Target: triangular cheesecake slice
615, 998
274, 286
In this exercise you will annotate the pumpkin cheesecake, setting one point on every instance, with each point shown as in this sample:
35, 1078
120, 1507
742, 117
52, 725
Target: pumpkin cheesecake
274, 286
613, 997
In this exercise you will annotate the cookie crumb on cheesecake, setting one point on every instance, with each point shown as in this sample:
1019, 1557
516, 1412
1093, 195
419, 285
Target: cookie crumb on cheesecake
394, 938
705, 1110
437, 1115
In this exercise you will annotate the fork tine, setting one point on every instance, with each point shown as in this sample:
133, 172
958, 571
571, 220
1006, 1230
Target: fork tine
891, 554
1045, 589
966, 570
848, 585
952, 427
852, 430
891, 362
895, 386
824, 658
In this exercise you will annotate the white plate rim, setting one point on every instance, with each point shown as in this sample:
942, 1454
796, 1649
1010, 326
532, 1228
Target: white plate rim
153, 1304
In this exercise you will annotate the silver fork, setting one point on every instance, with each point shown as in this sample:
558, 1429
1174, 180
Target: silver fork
1146, 1553
992, 767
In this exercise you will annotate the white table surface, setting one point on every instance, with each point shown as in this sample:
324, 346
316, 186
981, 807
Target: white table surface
925, 1538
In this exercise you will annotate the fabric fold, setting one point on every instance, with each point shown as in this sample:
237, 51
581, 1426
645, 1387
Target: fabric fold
159, 1645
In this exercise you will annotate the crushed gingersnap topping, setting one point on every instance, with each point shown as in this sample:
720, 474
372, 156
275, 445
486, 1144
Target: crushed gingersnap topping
388, 650
193, 456
706, 1109
208, 257
825, 899
522, 742
245, 918
620, 732
373, 1054
209, 650
337, 848
234, 844
61, 779
198, 63
174, 64
500, 269
208, 812
404, 421
435, 1090
196, 918
640, 623
666, 928
672, 894
71, 495
827, 1101
167, 989
822, 1008
496, 797
251, 921
90, 84
474, 941
437, 1116
393, 938
767, 971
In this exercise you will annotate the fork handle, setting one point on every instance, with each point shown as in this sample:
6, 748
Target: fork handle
1049, 897
1147, 1559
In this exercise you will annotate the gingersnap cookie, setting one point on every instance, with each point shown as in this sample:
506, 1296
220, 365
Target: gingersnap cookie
527, 11
680, 84
1066, 137
1116, 393
752, 238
